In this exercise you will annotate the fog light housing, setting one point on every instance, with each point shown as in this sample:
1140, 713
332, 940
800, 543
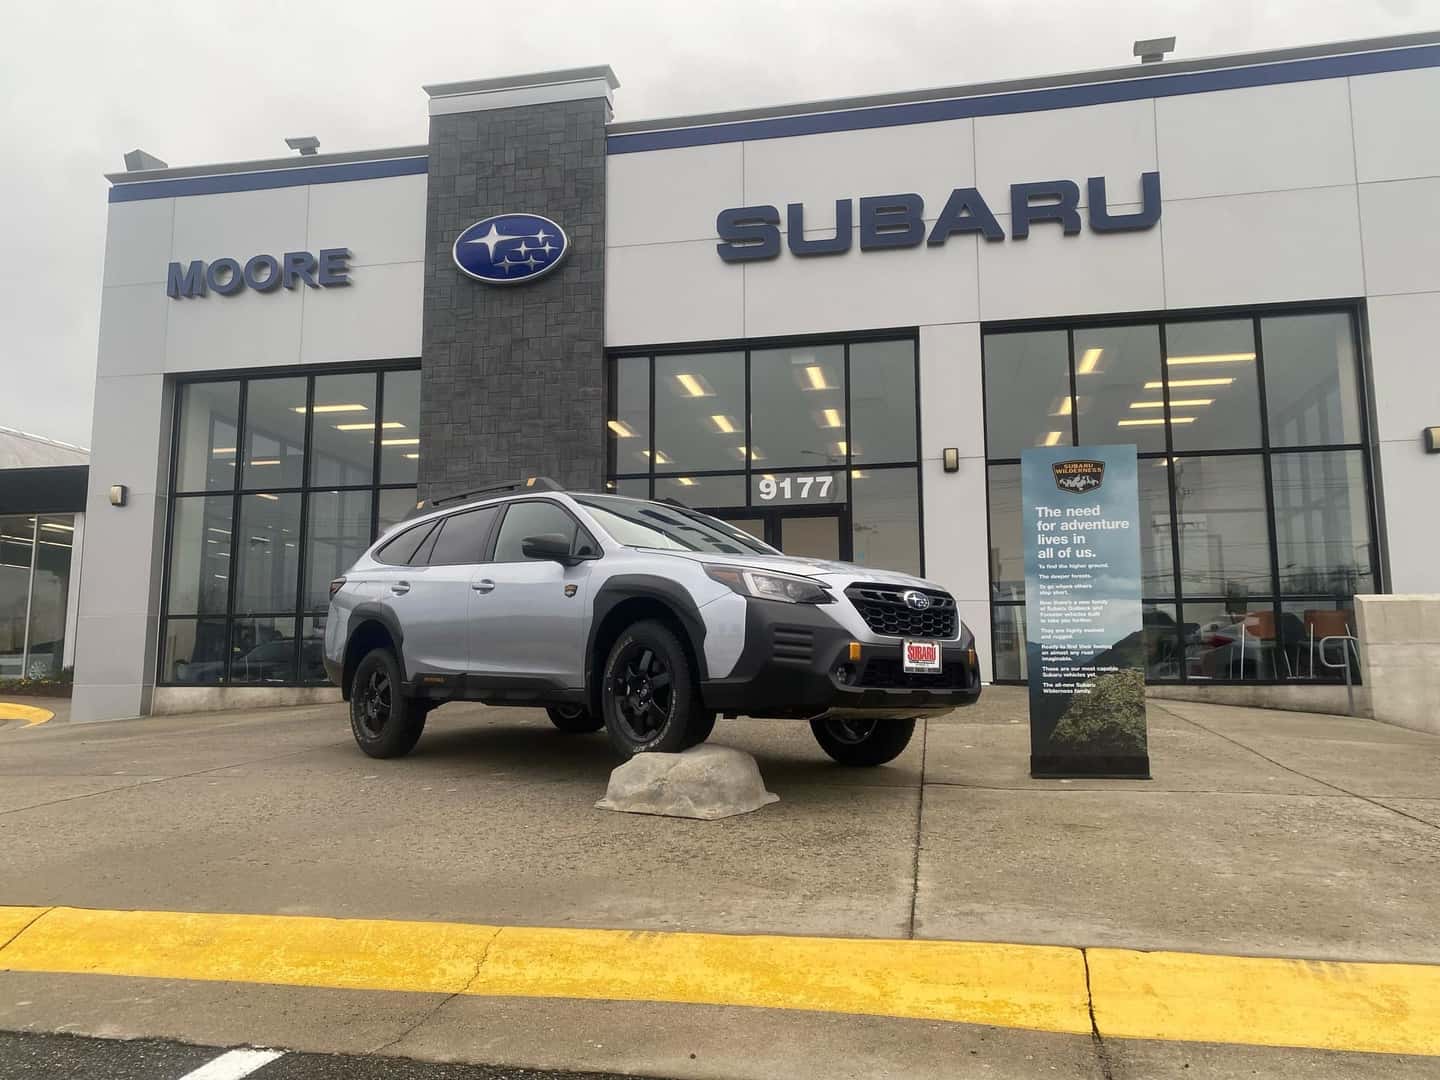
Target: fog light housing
844, 673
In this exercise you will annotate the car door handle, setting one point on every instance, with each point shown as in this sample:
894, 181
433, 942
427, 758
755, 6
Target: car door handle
400, 588
483, 585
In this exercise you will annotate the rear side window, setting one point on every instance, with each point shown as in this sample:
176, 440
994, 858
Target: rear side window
524, 519
401, 550
462, 537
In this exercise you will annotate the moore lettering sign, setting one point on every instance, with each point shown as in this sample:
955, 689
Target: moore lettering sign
898, 221
263, 273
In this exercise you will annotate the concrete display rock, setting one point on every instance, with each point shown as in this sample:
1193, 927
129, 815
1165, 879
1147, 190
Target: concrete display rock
705, 782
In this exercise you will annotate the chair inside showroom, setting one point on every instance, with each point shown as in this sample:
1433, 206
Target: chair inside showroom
1319, 625
1259, 641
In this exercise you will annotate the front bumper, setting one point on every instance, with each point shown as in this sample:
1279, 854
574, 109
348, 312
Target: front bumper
796, 664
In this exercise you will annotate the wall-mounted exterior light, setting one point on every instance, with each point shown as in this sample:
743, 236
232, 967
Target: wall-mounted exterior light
950, 458
1432, 440
119, 494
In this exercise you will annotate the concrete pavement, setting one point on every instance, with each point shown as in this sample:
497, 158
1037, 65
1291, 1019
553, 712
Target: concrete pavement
1262, 833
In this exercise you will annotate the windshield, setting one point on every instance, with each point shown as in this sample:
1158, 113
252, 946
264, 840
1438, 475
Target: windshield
670, 528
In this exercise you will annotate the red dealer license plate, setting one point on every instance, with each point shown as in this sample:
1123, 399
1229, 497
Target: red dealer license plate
922, 656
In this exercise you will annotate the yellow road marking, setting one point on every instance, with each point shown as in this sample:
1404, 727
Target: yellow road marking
1387, 1008
1383, 1008
11, 710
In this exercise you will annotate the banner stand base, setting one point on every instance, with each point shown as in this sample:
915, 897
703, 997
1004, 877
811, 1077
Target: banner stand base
1088, 767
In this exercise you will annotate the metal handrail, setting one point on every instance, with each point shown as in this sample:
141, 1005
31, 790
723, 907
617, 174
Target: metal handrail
1353, 643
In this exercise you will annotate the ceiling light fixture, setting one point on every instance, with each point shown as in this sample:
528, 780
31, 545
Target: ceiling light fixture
692, 385
621, 429
1190, 382
816, 374
1213, 358
832, 418
723, 424
352, 407
1088, 359
1175, 403
266, 461
1052, 438
391, 424
1152, 420
685, 481
399, 442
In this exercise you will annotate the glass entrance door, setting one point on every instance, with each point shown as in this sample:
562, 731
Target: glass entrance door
813, 536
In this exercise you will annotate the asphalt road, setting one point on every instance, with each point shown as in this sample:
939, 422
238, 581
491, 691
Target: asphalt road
65, 1057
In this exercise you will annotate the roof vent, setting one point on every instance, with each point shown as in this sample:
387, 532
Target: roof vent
306, 144
1153, 50
139, 161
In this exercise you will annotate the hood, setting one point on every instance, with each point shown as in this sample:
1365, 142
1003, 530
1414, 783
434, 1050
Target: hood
835, 572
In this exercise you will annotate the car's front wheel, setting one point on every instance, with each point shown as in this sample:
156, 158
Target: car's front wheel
649, 696
385, 723
574, 719
853, 741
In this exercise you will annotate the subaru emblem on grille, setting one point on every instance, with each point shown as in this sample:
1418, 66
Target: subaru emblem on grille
916, 600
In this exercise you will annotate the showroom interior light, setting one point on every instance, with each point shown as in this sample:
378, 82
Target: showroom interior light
266, 461
1176, 403
1052, 438
1213, 358
1088, 359
832, 418
1190, 382
1152, 420
621, 429
399, 442
693, 385
816, 374
351, 407
684, 481
661, 458
723, 424
368, 427
1067, 406
221, 450
842, 448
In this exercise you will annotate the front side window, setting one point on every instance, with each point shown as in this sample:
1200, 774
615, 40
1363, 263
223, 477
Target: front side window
279, 483
1255, 506
527, 519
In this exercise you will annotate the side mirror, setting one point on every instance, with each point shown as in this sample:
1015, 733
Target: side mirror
552, 547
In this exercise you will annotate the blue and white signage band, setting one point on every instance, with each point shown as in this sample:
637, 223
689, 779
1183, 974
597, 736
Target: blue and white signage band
508, 249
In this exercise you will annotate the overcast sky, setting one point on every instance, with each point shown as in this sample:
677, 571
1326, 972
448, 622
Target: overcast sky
196, 82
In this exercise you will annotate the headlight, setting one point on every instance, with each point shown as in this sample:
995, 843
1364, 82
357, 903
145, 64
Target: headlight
765, 585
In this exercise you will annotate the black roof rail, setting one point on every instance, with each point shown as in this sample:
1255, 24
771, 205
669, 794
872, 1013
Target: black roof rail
531, 483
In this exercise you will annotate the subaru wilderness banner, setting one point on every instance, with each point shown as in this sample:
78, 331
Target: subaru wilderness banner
1085, 642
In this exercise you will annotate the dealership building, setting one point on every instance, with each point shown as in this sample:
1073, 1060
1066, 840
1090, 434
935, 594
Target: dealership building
837, 324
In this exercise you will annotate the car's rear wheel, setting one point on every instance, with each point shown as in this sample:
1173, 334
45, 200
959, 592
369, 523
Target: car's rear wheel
385, 723
648, 695
853, 741
574, 719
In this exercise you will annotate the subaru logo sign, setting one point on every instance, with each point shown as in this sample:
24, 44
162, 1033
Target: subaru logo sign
917, 601
508, 249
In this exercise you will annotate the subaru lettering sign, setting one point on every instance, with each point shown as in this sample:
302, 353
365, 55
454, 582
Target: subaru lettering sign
508, 249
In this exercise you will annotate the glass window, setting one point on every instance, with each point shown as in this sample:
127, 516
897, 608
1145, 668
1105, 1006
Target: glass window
49, 596
882, 401
207, 450
312, 650
343, 434
268, 549
396, 504
1311, 381
1234, 640
628, 428
399, 457
399, 551
1162, 641
1214, 385
274, 433
885, 519
530, 518
338, 532
700, 412
262, 651
200, 538
633, 488
1224, 527
17, 543
1308, 624
1008, 629
1027, 399
1157, 557
1117, 386
1322, 529
1007, 541
193, 651
460, 541
797, 405
701, 491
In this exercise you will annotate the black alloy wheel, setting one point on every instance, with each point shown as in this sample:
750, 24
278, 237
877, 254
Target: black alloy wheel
858, 741
649, 697
385, 723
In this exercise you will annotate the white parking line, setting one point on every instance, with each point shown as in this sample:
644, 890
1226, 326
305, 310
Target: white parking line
233, 1064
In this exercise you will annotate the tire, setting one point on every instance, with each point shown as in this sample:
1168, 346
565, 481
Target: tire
385, 723
863, 742
648, 694
574, 719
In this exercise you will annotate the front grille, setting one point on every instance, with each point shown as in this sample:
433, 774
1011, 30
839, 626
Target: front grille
890, 674
884, 610
793, 644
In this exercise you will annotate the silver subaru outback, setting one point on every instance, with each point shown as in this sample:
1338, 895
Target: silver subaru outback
644, 618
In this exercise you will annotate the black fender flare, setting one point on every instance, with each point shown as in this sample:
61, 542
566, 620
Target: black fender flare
616, 590
372, 612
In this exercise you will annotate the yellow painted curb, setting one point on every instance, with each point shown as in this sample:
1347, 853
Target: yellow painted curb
11, 710
1382, 1008
1035, 987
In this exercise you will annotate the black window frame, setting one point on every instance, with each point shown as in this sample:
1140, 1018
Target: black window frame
1277, 600
300, 612
750, 508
